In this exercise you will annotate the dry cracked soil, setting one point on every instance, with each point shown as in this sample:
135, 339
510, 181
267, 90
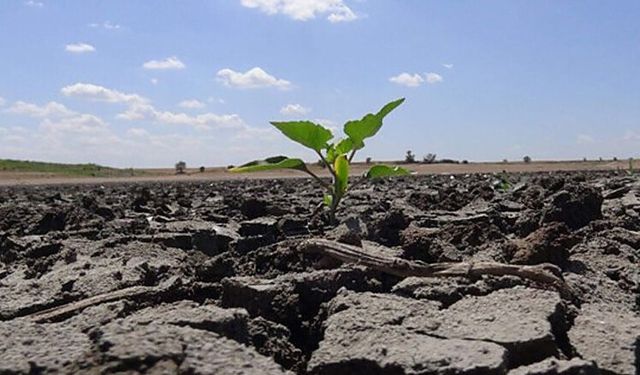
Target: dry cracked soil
209, 278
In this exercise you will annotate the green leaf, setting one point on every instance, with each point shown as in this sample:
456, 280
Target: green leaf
381, 171
368, 126
306, 133
344, 146
328, 200
275, 162
341, 167
341, 148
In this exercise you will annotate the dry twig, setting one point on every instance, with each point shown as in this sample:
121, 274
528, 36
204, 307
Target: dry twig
545, 273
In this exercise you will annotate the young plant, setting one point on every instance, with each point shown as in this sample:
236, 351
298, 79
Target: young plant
502, 183
337, 155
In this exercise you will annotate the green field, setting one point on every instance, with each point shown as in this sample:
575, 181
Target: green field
58, 169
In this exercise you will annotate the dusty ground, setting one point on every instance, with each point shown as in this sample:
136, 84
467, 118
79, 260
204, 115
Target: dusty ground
220, 173
208, 277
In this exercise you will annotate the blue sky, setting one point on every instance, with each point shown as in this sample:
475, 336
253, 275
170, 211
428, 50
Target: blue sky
147, 83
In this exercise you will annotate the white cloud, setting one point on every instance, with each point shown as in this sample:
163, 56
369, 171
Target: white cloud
191, 104
107, 25
253, 78
448, 66
63, 135
211, 99
34, 4
206, 121
304, 10
294, 109
166, 64
584, 139
2, 101
406, 79
102, 94
433, 78
154, 81
137, 132
140, 108
51, 109
80, 123
79, 48
137, 111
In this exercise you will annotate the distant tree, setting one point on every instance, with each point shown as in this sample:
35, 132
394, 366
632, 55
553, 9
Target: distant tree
410, 157
505, 161
527, 159
584, 159
429, 158
321, 163
368, 160
615, 158
465, 161
201, 169
181, 167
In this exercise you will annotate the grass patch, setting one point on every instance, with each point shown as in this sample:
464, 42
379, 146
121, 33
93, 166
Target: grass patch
78, 170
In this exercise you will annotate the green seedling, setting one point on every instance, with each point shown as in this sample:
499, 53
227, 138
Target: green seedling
336, 155
502, 183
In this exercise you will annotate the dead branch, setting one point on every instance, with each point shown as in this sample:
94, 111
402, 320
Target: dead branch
58, 312
541, 273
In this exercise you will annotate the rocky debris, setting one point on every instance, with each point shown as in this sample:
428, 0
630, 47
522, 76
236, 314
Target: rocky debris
98, 315
21, 294
274, 340
176, 240
365, 334
295, 300
530, 323
616, 193
447, 291
398, 351
351, 231
553, 366
200, 272
624, 236
28, 348
216, 268
259, 226
386, 229
252, 208
162, 348
417, 241
525, 325
51, 221
211, 239
291, 225
549, 244
231, 323
575, 205
609, 338
605, 271
281, 299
